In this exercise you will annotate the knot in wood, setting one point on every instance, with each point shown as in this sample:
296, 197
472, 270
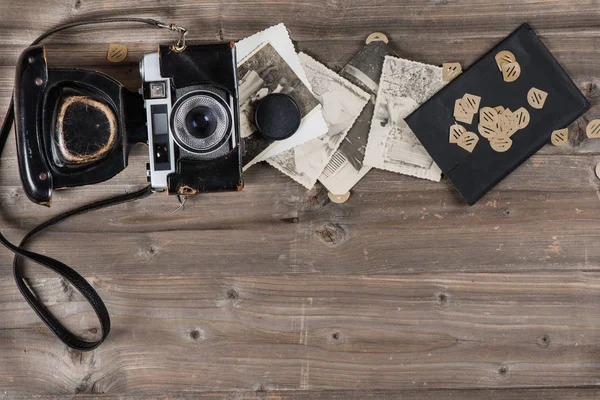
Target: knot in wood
195, 334
232, 294
590, 90
332, 234
543, 341
442, 299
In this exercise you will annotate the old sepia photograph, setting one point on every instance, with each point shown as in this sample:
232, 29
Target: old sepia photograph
342, 103
262, 73
346, 166
392, 146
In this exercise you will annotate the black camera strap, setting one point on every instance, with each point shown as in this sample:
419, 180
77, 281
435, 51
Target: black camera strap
66, 272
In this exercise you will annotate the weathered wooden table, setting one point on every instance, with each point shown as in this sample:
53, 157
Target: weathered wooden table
404, 291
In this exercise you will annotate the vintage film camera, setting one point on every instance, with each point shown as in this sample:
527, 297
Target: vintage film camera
76, 127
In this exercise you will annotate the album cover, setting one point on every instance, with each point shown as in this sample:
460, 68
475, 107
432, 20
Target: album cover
481, 163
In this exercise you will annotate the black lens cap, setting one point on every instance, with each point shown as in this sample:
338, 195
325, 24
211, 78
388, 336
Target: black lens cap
277, 116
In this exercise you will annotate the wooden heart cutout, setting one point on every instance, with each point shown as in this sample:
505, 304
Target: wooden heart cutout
468, 141
488, 117
470, 103
116, 52
522, 118
460, 114
560, 137
593, 129
456, 131
501, 144
488, 132
504, 57
537, 98
505, 123
511, 71
451, 71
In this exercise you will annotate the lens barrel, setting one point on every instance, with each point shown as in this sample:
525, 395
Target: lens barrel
201, 121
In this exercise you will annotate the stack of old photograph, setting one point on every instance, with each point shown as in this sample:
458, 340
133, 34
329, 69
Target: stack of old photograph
352, 121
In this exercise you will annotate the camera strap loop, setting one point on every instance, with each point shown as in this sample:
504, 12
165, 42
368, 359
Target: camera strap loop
60, 268
181, 199
180, 45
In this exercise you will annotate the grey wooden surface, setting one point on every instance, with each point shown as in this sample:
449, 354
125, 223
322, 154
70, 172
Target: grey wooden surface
275, 292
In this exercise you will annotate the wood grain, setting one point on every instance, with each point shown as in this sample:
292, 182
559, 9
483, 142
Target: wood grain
423, 394
544, 216
312, 332
275, 292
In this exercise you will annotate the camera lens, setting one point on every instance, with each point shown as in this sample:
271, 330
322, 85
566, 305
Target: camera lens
201, 122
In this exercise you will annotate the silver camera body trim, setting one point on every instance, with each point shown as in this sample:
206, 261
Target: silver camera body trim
150, 72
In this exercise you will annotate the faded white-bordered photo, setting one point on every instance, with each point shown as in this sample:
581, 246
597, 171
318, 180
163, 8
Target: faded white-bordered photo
253, 85
392, 145
262, 73
346, 166
342, 103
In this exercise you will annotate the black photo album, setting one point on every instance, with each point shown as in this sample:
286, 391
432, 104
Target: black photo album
499, 112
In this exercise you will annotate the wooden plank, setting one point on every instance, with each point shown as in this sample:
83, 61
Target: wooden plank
211, 21
543, 217
468, 394
422, 331
410, 26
